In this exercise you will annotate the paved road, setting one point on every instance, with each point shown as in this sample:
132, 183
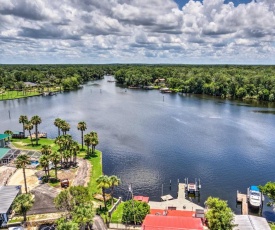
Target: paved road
98, 223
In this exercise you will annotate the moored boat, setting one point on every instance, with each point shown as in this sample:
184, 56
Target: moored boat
254, 196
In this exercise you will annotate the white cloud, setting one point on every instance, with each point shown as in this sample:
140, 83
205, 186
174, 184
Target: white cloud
91, 31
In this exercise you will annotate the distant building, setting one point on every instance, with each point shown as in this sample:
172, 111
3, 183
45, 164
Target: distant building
7, 196
30, 84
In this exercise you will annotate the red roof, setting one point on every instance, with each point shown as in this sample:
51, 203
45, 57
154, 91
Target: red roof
142, 198
155, 222
173, 212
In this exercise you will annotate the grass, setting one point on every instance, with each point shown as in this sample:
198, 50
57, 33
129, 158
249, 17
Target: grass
15, 94
272, 226
25, 143
9, 95
96, 162
117, 214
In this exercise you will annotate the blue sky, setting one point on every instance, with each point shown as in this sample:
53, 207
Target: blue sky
181, 3
137, 31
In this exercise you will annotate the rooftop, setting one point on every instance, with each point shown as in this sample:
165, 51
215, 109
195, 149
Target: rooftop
7, 195
142, 198
155, 222
172, 212
3, 152
248, 222
3, 136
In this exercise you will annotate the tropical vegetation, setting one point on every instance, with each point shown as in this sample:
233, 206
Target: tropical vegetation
134, 212
219, 215
23, 203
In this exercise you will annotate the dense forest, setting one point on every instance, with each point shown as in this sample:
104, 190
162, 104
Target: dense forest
256, 82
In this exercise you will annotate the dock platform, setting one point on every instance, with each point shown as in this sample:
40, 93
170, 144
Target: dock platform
242, 198
181, 203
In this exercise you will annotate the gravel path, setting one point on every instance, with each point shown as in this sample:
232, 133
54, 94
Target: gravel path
83, 173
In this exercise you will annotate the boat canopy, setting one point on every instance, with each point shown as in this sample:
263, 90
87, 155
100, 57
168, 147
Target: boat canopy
254, 188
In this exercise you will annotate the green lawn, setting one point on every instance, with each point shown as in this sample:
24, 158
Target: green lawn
14, 94
117, 214
26, 143
272, 226
96, 162
17, 94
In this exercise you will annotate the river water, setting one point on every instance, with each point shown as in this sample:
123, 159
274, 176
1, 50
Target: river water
148, 138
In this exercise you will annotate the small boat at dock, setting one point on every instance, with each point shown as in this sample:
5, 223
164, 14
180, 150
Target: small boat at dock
254, 196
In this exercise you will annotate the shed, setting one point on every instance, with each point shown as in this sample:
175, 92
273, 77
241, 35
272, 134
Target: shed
7, 196
156, 222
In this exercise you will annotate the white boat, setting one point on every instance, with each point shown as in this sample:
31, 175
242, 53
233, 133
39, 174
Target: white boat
254, 196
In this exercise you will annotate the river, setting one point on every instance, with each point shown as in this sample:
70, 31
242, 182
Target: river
148, 138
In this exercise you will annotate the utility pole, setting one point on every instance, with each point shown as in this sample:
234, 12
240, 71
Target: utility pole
131, 190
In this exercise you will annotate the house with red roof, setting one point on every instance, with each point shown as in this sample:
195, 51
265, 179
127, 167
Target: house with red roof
159, 219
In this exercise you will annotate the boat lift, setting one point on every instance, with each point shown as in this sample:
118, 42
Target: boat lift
192, 188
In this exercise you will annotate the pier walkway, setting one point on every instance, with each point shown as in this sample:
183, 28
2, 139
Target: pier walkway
181, 203
242, 198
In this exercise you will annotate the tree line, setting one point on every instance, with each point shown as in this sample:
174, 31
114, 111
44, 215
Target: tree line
243, 82
12, 77
227, 81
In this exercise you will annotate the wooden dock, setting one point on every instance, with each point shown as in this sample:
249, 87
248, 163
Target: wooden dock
181, 190
242, 198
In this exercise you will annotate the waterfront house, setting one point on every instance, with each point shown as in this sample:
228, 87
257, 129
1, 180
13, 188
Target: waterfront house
171, 219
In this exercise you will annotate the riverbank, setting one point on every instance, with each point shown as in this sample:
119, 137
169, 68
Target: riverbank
16, 94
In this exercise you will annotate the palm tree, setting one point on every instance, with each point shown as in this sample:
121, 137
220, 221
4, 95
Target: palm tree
44, 161
114, 181
23, 119
60, 140
8, 132
23, 203
88, 142
83, 215
21, 162
65, 127
103, 183
75, 149
55, 158
57, 123
68, 225
36, 120
29, 126
46, 150
94, 140
82, 127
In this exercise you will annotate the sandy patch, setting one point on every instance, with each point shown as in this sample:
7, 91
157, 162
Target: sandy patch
5, 173
17, 179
